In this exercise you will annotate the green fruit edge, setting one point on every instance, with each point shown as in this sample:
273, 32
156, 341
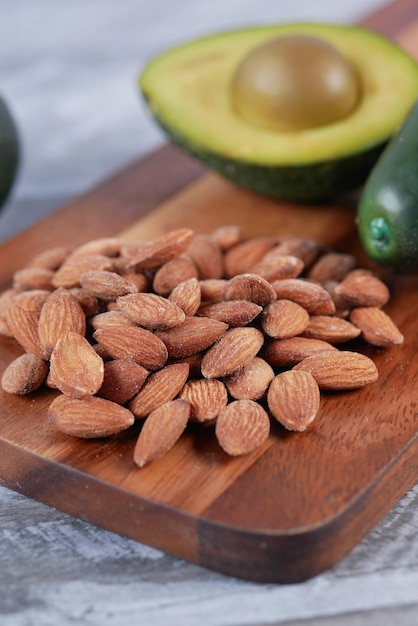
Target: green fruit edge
9, 152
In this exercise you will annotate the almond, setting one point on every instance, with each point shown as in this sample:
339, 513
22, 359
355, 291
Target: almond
279, 267
206, 256
122, 380
233, 312
68, 275
90, 417
330, 328
241, 427
6, 299
109, 319
376, 326
159, 388
60, 314
22, 318
332, 266
161, 430
106, 285
304, 248
241, 257
250, 287
105, 246
33, 278
361, 288
89, 303
51, 258
212, 290
283, 318
24, 374
251, 381
153, 254
187, 296
151, 311
135, 343
227, 236
311, 296
288, 352
193, 335
76, 369
172, 273
293, 399
206, 398
340, 369
234, 349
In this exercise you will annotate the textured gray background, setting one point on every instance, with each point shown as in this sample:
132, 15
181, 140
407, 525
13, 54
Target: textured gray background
68, 71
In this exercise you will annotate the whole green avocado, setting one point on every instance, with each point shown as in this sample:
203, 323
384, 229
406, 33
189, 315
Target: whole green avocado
388, 209
9, 151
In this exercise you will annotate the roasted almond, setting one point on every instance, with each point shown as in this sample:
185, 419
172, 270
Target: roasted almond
340, 369
288, 352
206, 256
90, 417
191, 336
106, 285
234, 349
232, 312
68, 275
304, 248
159, 388
310, 295
153, 254
22, 318
33, 278
135, 343
151, 310
187, 296
278, 267
361, 288
330, 328
106, 246
24, 374
376, 326
212, 290
76, 369
241, 257
283, 318
242, 427
6, 298
332, 266
227, 236
51, 258
251, 381
122, 380
89, 303
109, 319
60, 314
293, 399
161, 430
172, 273
250, 287
206, 398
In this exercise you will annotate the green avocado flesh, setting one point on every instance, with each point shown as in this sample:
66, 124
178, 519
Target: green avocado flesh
187, 90
9, 151
388, 210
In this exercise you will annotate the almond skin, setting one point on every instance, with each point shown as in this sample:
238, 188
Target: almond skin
187, 296
250, 287
60, 314
161, 430
278, 268
332, 266
172, 273
22, 317
151, 310
159, 388
251, 381
241, 257
227, 236
360, 288
233, 350
340, 369
304, 248
206, 398
206, 256
106, 285
153, 254
33, 278
293, 399
24, 374
233, 312
376, 326
135, 343
283, 318
51, 258
90, 417
122, 380
108, 319
193, 335
242, 426
76, 369
68, 275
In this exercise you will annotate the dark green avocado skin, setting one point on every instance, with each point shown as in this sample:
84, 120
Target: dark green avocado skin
313, 182
9, 151
387, 216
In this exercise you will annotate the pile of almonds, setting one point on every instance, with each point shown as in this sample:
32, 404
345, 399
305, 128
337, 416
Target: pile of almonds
209, 328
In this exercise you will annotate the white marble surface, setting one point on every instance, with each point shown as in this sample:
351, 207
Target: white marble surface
68, 71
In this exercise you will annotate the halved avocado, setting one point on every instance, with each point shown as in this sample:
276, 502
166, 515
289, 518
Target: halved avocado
188, 91
9, 151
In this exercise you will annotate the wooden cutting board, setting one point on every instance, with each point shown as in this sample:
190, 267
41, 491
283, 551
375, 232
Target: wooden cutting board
284, 513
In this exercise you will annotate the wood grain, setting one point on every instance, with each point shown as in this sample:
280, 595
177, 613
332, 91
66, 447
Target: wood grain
284, 513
